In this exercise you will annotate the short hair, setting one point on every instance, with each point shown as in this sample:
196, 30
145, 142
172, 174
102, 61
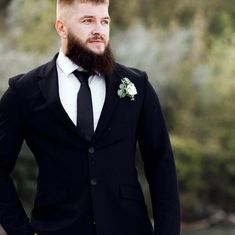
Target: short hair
69, 2
62, 3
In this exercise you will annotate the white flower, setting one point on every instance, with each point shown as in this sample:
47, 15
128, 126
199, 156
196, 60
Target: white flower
131, 90
127, 88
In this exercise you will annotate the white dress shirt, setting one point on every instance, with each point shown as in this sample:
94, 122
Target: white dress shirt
69, 86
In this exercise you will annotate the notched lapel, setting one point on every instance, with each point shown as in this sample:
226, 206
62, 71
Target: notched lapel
111, 101
50, 90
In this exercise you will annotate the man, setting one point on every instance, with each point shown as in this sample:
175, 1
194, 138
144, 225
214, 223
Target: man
83, 130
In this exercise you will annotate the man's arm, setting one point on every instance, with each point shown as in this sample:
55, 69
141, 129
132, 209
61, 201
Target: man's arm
12, 215
159, 165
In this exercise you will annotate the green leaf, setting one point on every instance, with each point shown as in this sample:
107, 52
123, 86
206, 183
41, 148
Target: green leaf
122, 86
123, 94
120, 93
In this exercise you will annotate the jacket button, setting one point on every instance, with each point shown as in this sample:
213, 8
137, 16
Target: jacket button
93, 182
91, 150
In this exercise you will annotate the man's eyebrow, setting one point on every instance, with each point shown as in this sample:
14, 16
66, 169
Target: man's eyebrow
107, 18
86, 16
90, 17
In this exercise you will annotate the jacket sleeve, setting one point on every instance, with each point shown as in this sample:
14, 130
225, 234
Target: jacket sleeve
12, 215
159, 165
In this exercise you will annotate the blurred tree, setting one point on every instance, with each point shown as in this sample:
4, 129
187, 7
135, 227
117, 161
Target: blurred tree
31, 25
4, 4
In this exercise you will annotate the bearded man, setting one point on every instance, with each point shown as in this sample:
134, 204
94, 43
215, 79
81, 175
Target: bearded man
82, 116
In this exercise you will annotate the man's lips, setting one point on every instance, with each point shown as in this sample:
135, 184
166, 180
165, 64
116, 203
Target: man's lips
96, 40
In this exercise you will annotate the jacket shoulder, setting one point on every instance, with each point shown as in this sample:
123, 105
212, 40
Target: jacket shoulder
26, 85
27, 78
33, 75
131, 72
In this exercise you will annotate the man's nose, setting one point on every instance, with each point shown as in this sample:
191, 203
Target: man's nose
98, 29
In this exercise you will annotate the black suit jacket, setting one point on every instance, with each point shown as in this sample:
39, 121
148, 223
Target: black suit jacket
80, 182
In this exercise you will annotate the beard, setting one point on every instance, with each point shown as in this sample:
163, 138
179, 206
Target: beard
90, 61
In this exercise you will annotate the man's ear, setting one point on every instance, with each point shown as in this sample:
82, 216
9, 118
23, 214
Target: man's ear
61, 28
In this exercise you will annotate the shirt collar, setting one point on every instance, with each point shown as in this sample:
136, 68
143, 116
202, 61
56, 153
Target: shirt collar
65, 64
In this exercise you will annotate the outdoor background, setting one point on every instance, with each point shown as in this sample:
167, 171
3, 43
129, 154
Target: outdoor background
187, 48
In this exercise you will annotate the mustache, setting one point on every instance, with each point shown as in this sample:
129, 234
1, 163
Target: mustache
96, 38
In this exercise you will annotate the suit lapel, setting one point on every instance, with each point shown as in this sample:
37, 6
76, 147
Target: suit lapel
111, 101
50, 90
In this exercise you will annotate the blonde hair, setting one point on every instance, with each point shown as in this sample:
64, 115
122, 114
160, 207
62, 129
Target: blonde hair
69, 2
64, 3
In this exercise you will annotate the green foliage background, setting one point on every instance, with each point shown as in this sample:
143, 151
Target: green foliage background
188, 49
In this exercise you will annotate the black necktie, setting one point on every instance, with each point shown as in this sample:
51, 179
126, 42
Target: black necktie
84, 105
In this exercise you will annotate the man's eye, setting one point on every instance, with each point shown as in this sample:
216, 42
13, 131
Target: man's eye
105, 22
87, 21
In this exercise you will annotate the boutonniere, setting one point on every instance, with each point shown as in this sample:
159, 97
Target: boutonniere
127, 88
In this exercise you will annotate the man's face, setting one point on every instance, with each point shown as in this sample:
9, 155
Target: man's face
90, 23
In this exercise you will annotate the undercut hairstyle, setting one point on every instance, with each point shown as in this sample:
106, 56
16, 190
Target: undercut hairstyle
66, 3
69, 2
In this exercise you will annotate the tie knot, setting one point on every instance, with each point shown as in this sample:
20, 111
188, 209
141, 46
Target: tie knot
82, 76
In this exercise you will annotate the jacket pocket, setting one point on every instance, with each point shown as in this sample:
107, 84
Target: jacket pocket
132, 192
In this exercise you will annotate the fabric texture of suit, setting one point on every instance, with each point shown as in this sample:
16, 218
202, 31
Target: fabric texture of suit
80, 182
